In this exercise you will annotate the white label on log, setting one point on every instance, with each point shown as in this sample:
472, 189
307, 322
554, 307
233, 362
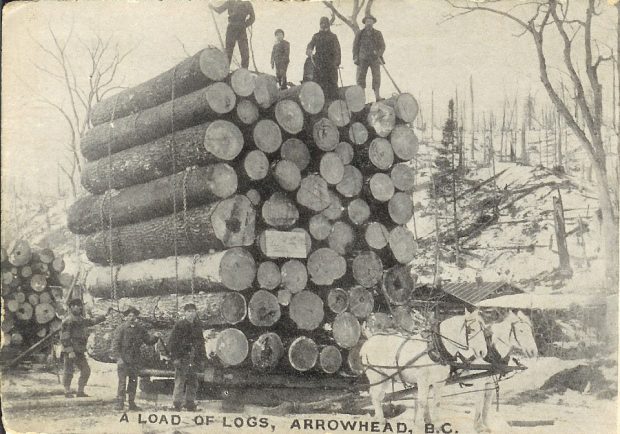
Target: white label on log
285, 244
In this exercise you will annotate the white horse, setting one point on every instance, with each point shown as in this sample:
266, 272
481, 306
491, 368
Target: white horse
394, 358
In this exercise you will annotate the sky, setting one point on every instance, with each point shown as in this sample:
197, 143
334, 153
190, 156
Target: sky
424, 55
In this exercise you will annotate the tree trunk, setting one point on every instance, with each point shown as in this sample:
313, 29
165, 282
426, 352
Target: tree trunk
330, 359
265, 91
405, 106
402, 244
303, 354
354, 96
609, 233
358, 211
38, 282
341, 238
346, 330
352, 182
400, 208
313, 193
326, 266
246, 113
268, 275
404, 142
44, 313
367, 271
339, 113
380, 154
358, 134
294, 276
361, 301
308, 95
325, 134
334, 210
331, 168
289, 116
263, 309
398, 284
254, 196
242, 82
256, 165
306, 310
403, 177
267, 136
287, 174
19, 253
345, 152
230, 346
279, 211
337, 300
267, 351
381, 187
376, 235
296, 151
320, 227
381, 118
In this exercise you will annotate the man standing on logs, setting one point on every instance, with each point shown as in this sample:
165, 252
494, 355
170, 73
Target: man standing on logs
187, 351
73, 337
326, 59
126, 348
240, 16
368, 48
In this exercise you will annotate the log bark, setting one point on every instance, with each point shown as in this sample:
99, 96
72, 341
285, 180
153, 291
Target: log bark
330, 359
294, 276
331, 168
153, 123
267, 136
341, 238
256, 165
361, 302
381, 119
337, 300
267, 351
296, 151
265, 91
400, 208
405, 106
403, 177
231, 269
303, 354
190, 75
334, 210
309, 95
279, 211
246, 112
289, 116
242, 82
402, 244
325, 134
346, 330
339, 113
376, 235
268, 275
193, 187
404, 142
326, 266
306, 310
358, 211
263, 309
381, 187
345, 152
352, 182
354, 96
19, 253
380, 153
320, 227
313, 193
228, 223
287, 175
367, 269
398, 284
358, 134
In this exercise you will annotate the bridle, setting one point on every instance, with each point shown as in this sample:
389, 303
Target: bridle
467, 327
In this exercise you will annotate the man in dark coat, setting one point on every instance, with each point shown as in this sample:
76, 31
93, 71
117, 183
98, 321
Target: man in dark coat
73, 337
130, 336
187, 351
280, 57
240, 16
326, 59
368, 48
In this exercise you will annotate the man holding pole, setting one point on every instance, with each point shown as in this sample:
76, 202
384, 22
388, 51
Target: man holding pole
368, 48
240, 16
326, 58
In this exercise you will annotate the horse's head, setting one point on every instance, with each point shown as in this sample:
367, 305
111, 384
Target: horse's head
475, 329
515, 332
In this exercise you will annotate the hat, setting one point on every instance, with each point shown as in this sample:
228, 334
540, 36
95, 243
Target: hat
189, 306
367, 17
75, 302
278, 31
324, 20
130, 309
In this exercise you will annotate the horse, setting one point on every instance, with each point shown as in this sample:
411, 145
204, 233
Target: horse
389, 358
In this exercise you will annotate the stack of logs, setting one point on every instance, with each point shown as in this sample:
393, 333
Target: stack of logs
277, 213
32, 293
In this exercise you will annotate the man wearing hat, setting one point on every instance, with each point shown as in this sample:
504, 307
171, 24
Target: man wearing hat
73, 337
130, 336
240, 16
368, 48
326, 46
186, 347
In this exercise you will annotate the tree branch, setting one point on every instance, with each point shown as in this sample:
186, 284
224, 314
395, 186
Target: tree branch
344, 19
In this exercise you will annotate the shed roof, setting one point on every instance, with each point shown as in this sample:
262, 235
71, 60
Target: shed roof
474, 292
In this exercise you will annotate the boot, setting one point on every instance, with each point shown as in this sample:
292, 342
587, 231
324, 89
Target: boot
81, 394
120, 405
68, 394
133, 406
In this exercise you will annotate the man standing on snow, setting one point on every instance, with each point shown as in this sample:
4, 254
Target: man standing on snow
326, 59
368, 48
240, 16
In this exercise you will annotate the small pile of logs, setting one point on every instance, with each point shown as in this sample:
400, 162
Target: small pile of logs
32, 293
280, 214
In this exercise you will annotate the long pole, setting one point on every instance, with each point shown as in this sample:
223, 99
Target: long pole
473, 126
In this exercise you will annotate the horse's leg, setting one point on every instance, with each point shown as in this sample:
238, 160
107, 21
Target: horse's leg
423, 393
482, 410
437, 392
488, 402
377, 394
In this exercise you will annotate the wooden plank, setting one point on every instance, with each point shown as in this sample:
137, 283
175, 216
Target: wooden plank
280, 244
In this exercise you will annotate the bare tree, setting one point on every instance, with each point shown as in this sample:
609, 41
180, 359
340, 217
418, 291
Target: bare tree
351, 20
544, 17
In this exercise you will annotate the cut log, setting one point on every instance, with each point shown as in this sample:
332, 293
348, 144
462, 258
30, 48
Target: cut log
24, 312
287, 174
20, 297
320, 227
228, 223
339, 113
341, 238
380, 153
12, 305
378, 323
242, 82
233, 307
231, 269
358, 134
268, 275
381, 187
45, 297
267, 136
309, 95
326, 266
330, 359
265, 90
307, 237
367, 269
16, 339
398, 284
289, 116
331, 168
263, 309
400, 208
7, 278
354, 96
345, 152
279, 211
38, 282
294, 276
246, 112
403, 177
44, 313
403, 244
325, 134
58, 264
306, 310
33, 299
303, 354
39, 268
296, 151
334, 210
352, 182
19, 253
358, 211
282, 244
46, 256
361, 302
156, 159
337, 300
184, 112
313, 193
256, 165
404, 142
231, 347
284, 297
405, 106
254, 196
381, 119
267, 351
193, 187
405, 320
42, 332
376, 235
346, 330
25, 272
65, 280
354, 360
191, 74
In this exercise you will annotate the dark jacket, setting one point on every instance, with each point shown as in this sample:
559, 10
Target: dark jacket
327, 54
368, 45
186, 341
128, 340
74, 333
280, 53
240, 13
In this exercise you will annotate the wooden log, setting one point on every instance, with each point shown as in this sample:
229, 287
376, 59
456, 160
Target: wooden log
184, 112
19, 253
339, 113
381, 187
38, 282
405, 106
306, 310
313, 193
320, 227
20, 297
358, 134
404, 142
46, 256
12, 305
334, 210
254, 196
307, 237
402, 244
398, 284
331, 168
58, 264
256, 165
346, 330
24, 271
16, 339
294, 276
191, 74
296, 151
376, 235
378, 323
354, 96
233, 307
287, 175
162, 157
381, 119
284, 297
44, 313
279, 211
231, 269
403, 177
361, 301
24, 311
42, 332
228, 223
7, 279
65, 280
380, 153
267, 351
405, 320
400, 208
341, 238
265, 91
325, 134
246, 112
231, 347
192, 187
295, 243
309, 95
352, 182
268, 275
354, 360
303, 354
267, 136
358, 211
242, 82
337, 300
33, 299
326, 266
330, 359
263, 309
367, 269
289, 116
345, 152
39, 267
45, 297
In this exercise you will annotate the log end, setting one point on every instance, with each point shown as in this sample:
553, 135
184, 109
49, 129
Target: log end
237, 269
214, 64
220, 97
233, 221
223, 139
